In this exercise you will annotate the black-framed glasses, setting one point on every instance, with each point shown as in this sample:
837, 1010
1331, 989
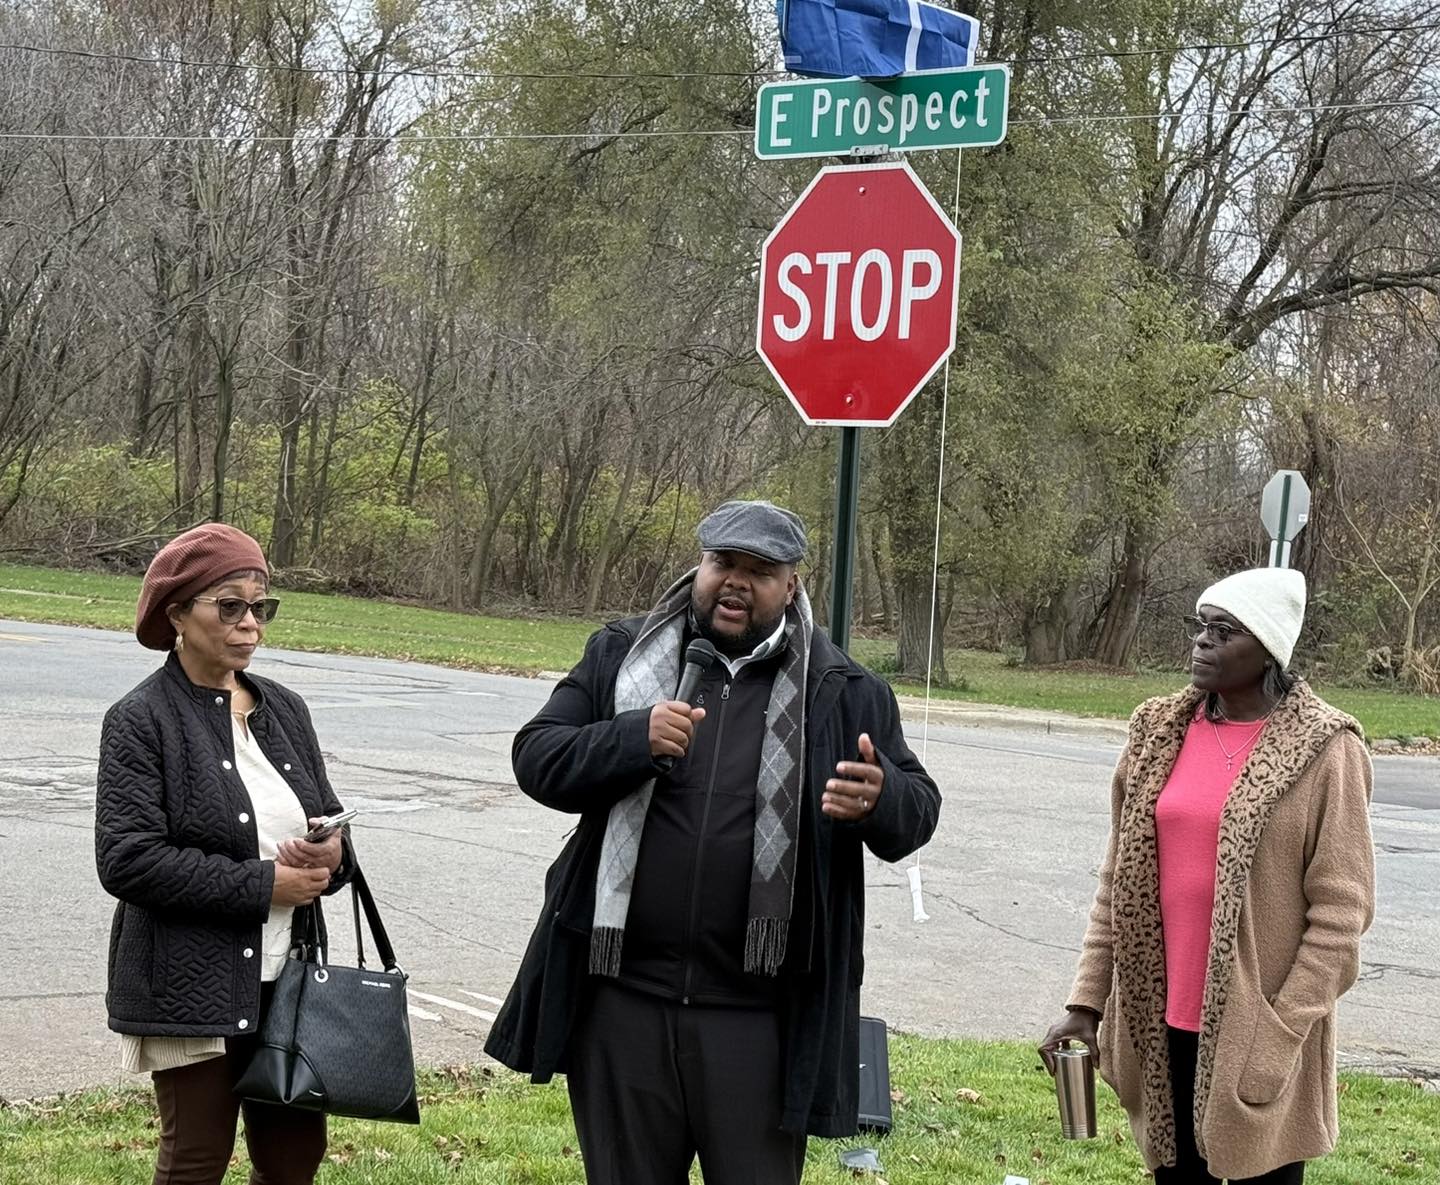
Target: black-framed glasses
1219, 631
232, 609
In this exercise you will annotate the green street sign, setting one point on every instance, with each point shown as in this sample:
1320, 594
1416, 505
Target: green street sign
965, 108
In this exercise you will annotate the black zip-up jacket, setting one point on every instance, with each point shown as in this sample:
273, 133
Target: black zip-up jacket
685, 931
175, 841
578, 756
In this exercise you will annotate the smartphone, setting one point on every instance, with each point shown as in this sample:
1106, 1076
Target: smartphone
328, 826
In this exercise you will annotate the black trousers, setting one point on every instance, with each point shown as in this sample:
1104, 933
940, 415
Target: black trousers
1190, 1168
654, 1083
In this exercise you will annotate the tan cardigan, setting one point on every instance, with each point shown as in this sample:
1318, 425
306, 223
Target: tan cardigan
1294, 891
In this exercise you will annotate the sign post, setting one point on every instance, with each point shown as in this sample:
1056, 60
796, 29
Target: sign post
847, 507
858, 283
1284, 509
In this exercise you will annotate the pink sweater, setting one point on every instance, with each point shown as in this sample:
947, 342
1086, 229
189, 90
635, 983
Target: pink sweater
1187, 837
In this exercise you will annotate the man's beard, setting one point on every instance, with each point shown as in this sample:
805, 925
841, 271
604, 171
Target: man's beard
734, 645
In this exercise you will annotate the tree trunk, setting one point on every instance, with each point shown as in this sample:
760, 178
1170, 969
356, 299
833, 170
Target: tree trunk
1050, 629
908, 462
528, 573
286, 522
482, 560
565, 556
422, 429
188, 443
916, 631
320, 486
188, 411
604, 555
820, 593
1412, 616
882, 581
864, 569
1121, 625
422, 412
457, 530
224, 416
144, 396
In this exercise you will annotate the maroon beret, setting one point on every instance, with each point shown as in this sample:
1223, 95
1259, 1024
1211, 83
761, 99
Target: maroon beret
188, 564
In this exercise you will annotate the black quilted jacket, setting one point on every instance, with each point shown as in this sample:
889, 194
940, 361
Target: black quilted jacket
175, 841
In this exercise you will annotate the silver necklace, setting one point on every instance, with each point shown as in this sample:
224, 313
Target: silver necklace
1250, 740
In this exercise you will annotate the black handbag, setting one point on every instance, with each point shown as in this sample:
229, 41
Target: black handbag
337, 1039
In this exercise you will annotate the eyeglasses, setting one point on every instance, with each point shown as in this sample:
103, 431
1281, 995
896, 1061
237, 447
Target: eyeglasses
1221, 631
232, 609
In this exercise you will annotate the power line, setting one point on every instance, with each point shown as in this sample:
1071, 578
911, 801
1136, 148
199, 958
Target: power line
348, 71
1419, 101
1425, 101
1299, 38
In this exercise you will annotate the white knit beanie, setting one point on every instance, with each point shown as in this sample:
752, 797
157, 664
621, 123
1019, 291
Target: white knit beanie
1269, 602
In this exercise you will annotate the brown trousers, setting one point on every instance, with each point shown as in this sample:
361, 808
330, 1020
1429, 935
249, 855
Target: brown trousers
198, 1108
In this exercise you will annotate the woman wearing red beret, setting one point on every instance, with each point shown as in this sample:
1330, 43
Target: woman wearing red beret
209, 779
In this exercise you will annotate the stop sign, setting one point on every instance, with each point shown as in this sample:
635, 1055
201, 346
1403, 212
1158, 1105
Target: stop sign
857, 294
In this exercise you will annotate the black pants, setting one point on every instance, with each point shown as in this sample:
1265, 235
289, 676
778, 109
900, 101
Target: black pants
1189, 1168
654, 1083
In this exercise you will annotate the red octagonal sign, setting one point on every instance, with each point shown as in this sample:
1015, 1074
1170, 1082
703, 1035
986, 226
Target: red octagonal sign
857, 294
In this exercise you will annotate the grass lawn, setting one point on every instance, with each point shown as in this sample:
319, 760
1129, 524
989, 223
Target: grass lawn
313, 621
967, 1113
354, 625
991, 680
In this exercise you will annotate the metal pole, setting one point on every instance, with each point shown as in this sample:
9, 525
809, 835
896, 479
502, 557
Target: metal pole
1280, 547
847, 505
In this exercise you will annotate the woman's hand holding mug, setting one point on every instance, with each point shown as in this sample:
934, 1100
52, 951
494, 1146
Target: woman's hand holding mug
1078, 1024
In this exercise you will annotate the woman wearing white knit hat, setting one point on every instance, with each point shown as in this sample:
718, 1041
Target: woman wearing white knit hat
1238, 878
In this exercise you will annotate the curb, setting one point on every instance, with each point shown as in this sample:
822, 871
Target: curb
967, 715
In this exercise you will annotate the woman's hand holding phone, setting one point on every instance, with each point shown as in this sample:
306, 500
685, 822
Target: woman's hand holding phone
323, 852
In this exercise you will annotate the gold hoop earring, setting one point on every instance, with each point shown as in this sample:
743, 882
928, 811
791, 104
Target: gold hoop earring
179, 643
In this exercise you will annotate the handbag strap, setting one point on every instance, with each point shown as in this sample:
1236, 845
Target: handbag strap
359, 935
308, 943
364, 899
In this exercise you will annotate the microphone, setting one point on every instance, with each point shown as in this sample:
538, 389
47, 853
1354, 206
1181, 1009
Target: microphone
700, 656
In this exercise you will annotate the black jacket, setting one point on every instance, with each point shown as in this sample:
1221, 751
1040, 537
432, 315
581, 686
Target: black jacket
690, 902
577, 756
175, 841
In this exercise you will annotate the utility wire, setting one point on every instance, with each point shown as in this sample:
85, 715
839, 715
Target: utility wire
1428, 102
1299, 38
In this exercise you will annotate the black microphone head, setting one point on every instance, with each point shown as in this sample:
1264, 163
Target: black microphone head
701, 653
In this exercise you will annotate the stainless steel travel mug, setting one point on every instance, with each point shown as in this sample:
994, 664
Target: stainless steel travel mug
1075, 1088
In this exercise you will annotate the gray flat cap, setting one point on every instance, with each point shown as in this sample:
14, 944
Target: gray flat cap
760, 528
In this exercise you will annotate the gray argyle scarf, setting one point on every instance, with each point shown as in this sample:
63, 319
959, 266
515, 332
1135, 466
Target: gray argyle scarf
650, 673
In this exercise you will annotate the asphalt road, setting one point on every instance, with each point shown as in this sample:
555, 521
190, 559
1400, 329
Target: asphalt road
457, 855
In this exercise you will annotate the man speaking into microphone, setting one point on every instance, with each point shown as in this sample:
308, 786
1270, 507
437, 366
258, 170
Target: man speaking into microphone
696, 968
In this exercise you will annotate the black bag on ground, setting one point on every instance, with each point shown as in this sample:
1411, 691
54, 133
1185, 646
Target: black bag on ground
875, 1112
337, 1039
